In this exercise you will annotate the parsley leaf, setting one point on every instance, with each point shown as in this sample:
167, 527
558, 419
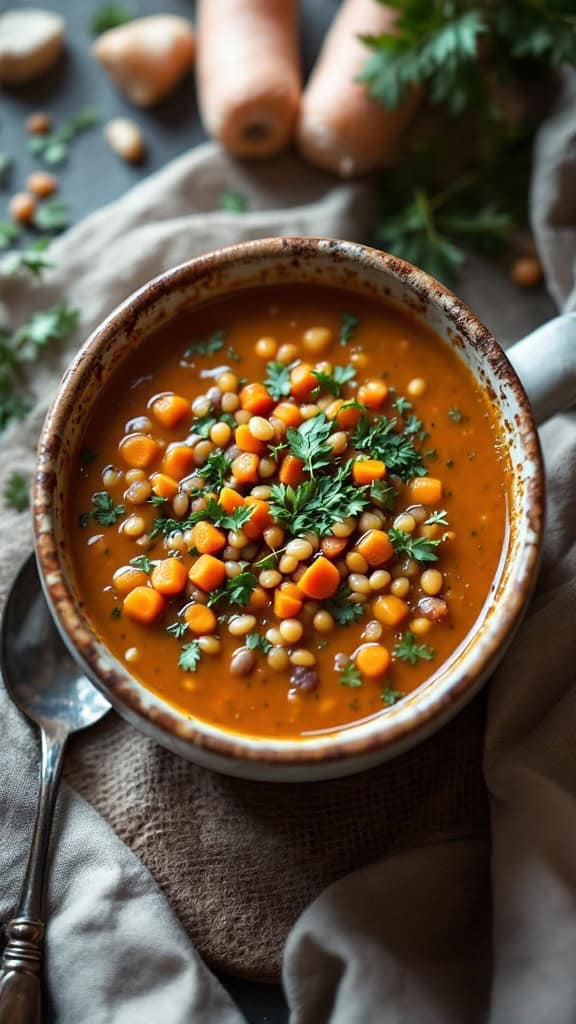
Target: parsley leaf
215, 470
342, 608
420, 548
177, 629
350, 676
107, 513
408, 649
308, 442
52, 215
390, 696
204, 424
190, 656
381, 440
456, 415
54, 146
206, 346
46, 326
317, 505
277, 381
110, 16
142, 562
348, 325
234, 202
383, 494
16, 493
227, 520
402, 405
257, 642
237, 590
335, 380
31, 258
9, 233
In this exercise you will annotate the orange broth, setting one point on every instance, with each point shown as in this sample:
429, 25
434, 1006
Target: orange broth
468, 457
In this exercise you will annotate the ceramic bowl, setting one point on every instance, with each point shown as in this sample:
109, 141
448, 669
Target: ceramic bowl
368, 272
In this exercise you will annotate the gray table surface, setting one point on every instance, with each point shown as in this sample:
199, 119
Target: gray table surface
93, 176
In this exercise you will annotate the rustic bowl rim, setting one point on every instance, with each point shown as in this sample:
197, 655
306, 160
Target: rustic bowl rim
171, 727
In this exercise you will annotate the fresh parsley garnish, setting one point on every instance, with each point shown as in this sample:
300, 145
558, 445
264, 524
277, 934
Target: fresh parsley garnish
206, 346
158, 500
348, 325
390, 696
106, 512
350, 676
233, 202
16, 493
142, 562
52, 215
335, 380
215, 470
456, 415
396, 449
110, 16
54, 146
277, 380
227, 520
44, 327
438, 517
237, 590
383, 495
308, 442
318, 504
402, 405
342, 608
177, 629
32, 258
408, 649
420, 548
190, 656
257, 642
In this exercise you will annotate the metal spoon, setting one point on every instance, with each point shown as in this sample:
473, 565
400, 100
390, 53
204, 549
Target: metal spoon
46, 684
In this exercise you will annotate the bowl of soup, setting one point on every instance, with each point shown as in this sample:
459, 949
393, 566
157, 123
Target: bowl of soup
288, 507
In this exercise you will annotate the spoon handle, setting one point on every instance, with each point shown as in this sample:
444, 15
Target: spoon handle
20, 989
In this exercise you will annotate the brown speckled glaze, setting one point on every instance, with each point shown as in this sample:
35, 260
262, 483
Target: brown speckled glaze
369, 272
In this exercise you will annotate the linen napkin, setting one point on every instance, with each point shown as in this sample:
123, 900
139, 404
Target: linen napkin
408, 938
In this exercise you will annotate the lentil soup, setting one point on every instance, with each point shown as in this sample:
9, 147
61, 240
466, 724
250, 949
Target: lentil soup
288, 510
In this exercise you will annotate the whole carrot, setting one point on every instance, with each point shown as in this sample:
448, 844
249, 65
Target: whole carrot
248, 73
340, 128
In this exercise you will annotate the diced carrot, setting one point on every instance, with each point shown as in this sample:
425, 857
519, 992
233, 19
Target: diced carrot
248, 73
208, 539
143, 605
291, 471
425, 490
200, 619
230, 499
164, 486
207, 572
260, 519
246, 441
171, 409
373, 660
127, 577
178, 461
376, 547
341, 127
245, 468
367, 470
258, 599
373, 393
288, 601
139, 450
332, 547
302, 381
348, 416
320, 580
289, 414
256, 399
390, 610
169, 576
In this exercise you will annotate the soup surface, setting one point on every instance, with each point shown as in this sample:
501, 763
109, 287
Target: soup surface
288, 510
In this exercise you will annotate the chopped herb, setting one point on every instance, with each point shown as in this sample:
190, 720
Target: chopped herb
342, 608
438, 517
215, 470
348, 325
5, 169
335, 380
116, 612
308, 442
206, 346
456, 415
350, 676
390, 696
277, 381
409, 650
237, 590
110, 16
46, 326
52, 215
107, 513
413, 425
419, 548
257, 642
84, 519
32, 258
86, 456
227, 520
158, 500
177, 629
190, 656
234, 202
381, 440
204, 425
15, 493
142, 562
54, 146
383, 495
318, 504
402, 405
9, 233
233, 354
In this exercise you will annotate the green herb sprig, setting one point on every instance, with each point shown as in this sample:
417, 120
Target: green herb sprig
55, 145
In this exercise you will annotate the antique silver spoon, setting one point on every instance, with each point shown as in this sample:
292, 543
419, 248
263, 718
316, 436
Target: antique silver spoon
44, 681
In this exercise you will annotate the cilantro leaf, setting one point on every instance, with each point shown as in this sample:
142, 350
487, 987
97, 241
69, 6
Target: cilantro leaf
350, 676
239, 588
206, 346
190, 656
16, 492
348, 325
335, 380
257, 642
110, 16
107, 513
420, 548
408, 649
308, 442
234, 202
142, 562
342, 608
277, 380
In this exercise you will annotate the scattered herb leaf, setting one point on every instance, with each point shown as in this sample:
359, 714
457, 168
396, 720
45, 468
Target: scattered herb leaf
318, 504
9, 233
116, 612
142, 562
32, 258
52, 215
381, 440
178, 629
54, 146
335, 380
257, 642
308, 442
341, 608
215, 470
420, 548
277, 380
408, 649
350, 676
190, 656
206, 346
107, 513
456, 415
390, 696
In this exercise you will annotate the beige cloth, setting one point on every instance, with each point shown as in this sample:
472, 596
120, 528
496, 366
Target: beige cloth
406, 938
